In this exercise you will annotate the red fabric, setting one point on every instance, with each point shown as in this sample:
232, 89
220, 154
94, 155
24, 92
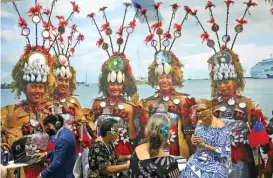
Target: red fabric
79, 148
50, 146
33, 171
257, 138
240, 153
174, 149
123, 149
85, 137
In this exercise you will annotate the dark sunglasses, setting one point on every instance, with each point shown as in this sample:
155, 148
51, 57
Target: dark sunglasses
201, 110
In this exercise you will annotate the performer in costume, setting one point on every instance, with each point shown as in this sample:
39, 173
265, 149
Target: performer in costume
61, 100
165, 72
31, 75
244, 120
117, 83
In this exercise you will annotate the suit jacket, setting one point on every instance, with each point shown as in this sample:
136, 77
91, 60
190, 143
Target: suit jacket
63, 157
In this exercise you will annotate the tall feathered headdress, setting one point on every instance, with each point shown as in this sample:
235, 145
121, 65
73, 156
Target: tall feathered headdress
116, 68
33, 66
224, 64
65, 48
165, 62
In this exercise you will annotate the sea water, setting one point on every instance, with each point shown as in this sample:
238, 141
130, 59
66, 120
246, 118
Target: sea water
259, 90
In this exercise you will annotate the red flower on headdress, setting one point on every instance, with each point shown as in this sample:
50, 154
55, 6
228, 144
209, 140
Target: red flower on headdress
63, 23
187, 9
27, 48
138, 6
149, 38
69, 38
209, 5
91, 15
34, 10
120, 30
241, 21
211, 20
72, 50
132, 24
116, 53
156, 26
178, 27
105, 26
271, 10
102, 8
167, 35
60, 17
175, 6
223, 47
73, 29
46, 11
22, 22
194, 12
99, 42
47, 25
76, 7
157, 5
228, 2
127, 4
60, 38
143, 11
80, 37
250, 3
204, 36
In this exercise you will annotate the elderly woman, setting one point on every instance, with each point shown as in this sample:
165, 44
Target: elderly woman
103, 161
211, 137
149, 159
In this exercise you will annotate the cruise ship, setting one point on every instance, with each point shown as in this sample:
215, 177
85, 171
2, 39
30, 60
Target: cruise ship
263, 69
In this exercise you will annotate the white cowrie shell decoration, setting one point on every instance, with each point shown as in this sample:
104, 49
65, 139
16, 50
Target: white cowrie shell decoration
39, 78
113, 76
160, 69
167, 68
109, 77
32, 78
62, 71
119, 77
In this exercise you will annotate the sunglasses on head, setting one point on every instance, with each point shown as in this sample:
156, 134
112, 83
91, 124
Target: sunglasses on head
202, 110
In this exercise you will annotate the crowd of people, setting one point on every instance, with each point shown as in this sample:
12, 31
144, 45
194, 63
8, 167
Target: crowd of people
122, 135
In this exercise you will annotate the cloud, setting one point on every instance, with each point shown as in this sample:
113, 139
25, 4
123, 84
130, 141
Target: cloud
12, 34
195, 66
6, 14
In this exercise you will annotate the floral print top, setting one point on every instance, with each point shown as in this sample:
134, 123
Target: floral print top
99, 157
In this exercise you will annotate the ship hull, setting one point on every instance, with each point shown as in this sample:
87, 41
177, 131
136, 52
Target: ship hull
262, 70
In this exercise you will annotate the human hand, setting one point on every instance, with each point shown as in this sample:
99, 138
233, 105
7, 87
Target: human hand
40, 156
197, 141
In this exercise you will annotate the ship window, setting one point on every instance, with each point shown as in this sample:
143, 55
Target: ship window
271, 68
266, 70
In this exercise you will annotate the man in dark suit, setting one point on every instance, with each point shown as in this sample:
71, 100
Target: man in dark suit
63, 156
